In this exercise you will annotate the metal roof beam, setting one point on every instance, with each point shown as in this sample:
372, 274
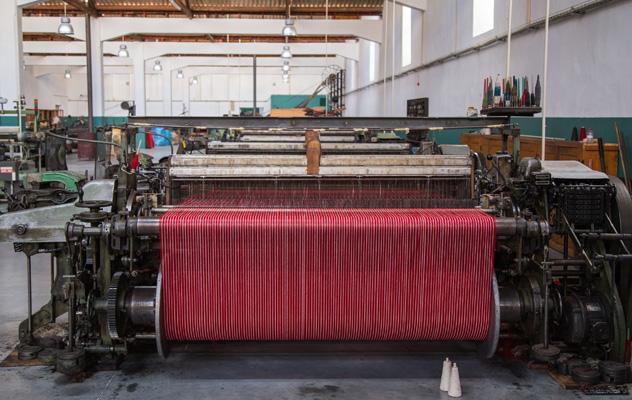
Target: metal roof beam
88, 7
184, 6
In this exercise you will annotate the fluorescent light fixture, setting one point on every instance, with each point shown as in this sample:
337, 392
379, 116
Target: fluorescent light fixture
123, 51
157, 66
286, 53
180, 74
67, 74
286, 66
65, 28
289, 29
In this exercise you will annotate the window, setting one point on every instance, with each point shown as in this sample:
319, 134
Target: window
407, 46
372, 60
483, 16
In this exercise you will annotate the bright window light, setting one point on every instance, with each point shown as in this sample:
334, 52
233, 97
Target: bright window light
407, 32
483, 16
372, 60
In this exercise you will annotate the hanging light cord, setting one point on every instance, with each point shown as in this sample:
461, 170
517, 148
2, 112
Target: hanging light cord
326, 52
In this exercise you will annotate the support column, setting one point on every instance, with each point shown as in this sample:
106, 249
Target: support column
11, 50
96, 57
137, 53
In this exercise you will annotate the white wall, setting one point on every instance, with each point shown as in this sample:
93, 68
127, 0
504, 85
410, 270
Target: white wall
219, 89
589, 61
52, 90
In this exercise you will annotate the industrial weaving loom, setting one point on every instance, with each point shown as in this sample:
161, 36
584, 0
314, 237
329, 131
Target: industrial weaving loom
332, 229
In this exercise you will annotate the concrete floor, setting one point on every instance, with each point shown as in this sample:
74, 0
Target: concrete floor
255, 372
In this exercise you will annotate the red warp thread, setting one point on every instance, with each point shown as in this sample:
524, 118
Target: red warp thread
326, 274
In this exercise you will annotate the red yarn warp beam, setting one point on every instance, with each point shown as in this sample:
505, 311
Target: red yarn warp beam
326, 274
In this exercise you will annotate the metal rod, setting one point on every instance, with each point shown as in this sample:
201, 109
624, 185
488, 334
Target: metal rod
575, 262
29, 290
82, 140
614, 257
367, 123
392, 59
546, 307
71, 316
508, 226
52, 287
577, 241
509, 28
545, 76
614, 229
254, 85
89, 78
607, 236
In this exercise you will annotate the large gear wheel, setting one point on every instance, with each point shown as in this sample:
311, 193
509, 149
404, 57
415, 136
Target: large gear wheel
116, 319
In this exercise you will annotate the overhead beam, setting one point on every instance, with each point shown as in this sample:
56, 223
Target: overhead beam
50, 24
153, 50
88, 8
184, 6
112, 28
315, 123
27, 3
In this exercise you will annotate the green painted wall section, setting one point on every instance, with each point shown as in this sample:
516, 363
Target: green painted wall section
292, 101
8, 120
100, 121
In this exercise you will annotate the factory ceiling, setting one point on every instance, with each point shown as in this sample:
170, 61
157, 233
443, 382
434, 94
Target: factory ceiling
195, 38
339, 9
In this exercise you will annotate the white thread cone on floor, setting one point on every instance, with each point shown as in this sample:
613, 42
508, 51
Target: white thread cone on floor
445, 375
455, 383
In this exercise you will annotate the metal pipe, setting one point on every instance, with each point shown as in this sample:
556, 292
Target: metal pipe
71, 316
509, 22
569, 262
506, 226
614, 257
89, 77
392, 58
606, 236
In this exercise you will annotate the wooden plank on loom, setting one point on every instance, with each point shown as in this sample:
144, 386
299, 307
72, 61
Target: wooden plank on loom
556, 149
12, 360
565, 381
287, 112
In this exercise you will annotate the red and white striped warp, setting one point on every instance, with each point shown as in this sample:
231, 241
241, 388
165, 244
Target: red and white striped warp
326, 274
